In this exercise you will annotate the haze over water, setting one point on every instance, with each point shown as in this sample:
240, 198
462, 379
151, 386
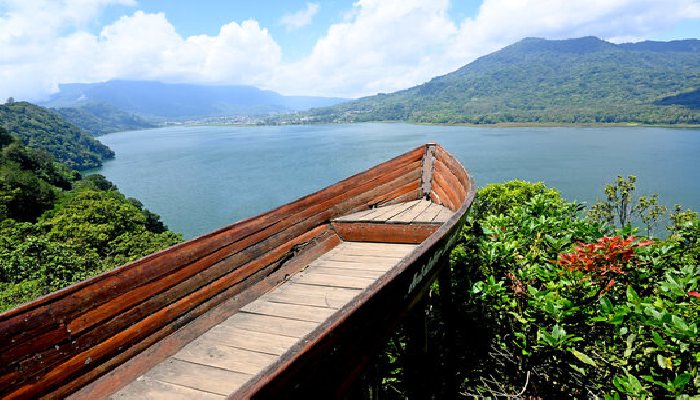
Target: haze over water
201, 178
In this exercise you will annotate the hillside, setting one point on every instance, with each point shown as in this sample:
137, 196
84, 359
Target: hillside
57, 229
99, 119
43, 129
168, 101
584, 80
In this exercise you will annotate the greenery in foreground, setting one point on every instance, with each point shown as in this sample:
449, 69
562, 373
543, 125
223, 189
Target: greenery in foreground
40, 128
57, 229
583, 80
554, 302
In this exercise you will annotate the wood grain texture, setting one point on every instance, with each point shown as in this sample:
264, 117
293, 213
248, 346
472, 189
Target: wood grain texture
384, 233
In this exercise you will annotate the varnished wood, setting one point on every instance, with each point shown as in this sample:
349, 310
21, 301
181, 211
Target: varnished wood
384, 233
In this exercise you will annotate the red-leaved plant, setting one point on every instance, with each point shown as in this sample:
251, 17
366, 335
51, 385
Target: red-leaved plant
601, 260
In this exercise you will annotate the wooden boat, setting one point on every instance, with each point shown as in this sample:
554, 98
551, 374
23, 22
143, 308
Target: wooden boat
287, 303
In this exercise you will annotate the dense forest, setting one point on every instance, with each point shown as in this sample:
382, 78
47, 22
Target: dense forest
57, 228
584, 80
99, 119
556, 300
40, 128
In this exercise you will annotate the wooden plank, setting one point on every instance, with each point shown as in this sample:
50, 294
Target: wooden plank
451, 179
254, 341
332, 280
427, 169
411, 214
444, 215
430, 213
150, 389
363, 273
312, 295
360, 258
269, 324
408, 190
291, 311
397, 209
449, 190
454, 166
390, 247
355, 265
229, 358
379, 211
197, 376
384, 233
356, 215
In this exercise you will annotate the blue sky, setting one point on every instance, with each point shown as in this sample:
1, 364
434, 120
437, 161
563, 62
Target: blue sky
331, 48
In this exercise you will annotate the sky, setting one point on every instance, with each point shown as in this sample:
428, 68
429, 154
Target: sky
333, 48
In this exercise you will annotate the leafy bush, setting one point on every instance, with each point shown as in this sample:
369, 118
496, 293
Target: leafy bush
571, 311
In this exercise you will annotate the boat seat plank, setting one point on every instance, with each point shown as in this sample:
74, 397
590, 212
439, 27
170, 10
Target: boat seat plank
416, 212
411, 214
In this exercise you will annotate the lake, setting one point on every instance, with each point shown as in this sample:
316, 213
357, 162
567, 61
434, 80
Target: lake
203, 177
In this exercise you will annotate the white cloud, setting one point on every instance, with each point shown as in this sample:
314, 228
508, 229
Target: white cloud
140, 46
388, 45
380, 45
300, 18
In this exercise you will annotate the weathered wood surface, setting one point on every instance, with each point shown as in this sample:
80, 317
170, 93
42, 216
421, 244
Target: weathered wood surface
250, 340
383, 232
417, 211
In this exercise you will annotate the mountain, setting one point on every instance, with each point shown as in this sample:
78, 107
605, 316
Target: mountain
43, 129
168, 101
583, 80
99, 119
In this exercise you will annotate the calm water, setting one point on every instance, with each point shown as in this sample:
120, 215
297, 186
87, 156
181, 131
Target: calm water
201, 178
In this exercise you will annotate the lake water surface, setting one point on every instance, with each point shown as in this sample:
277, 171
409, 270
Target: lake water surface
201, 178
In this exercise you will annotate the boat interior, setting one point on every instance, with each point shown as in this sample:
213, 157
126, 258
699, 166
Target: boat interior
229, 312
234, 351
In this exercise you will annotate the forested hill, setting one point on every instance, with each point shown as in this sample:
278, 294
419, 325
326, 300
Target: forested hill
584, 80
100, 118
40, 128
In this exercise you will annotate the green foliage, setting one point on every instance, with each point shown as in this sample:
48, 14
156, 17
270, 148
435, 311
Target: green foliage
41, 129
56, 230
614, 317
582, 80
620, 207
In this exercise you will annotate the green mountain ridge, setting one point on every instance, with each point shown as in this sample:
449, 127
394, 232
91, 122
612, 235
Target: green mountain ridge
583, 80
100, 118
43, 129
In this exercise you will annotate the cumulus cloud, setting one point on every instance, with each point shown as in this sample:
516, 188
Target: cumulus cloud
300, 18
388, 45
379, 46
139, 46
